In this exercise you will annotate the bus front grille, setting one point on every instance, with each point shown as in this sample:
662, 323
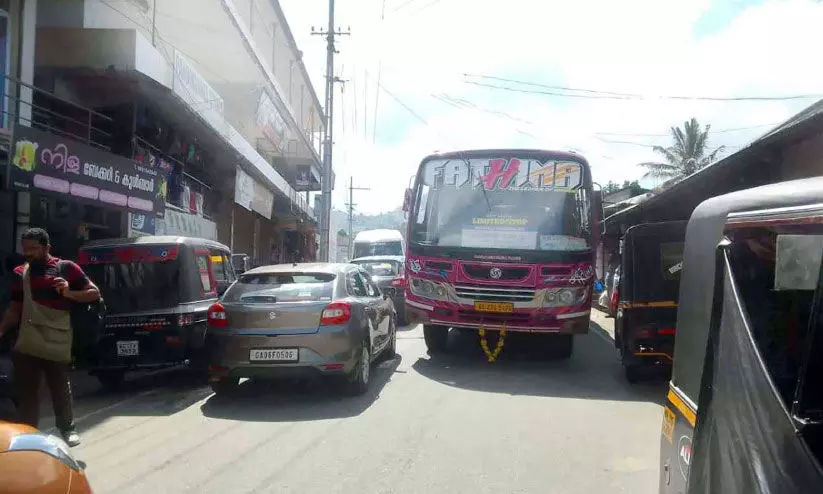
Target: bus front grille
490, 294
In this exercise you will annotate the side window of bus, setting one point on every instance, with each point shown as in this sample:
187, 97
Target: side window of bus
779, 316
422, 207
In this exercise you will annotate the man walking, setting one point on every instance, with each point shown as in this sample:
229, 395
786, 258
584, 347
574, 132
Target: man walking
43, 292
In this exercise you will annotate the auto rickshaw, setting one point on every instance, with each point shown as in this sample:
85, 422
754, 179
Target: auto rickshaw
157, 290
744, 410
651, 262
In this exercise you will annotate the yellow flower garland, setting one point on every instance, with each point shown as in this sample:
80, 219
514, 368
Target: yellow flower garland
492, 356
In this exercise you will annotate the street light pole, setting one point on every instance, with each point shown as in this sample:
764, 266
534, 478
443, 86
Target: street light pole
326, 176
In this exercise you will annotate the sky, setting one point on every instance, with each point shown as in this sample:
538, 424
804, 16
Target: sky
418, 74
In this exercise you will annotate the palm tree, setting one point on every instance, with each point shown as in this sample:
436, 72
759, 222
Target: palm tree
687, 155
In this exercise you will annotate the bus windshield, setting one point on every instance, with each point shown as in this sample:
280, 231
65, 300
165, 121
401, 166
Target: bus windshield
502, 204
387, 248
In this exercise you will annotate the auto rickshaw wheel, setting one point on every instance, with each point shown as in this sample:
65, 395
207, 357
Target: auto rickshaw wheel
225, 386
632, 373
631, 368
111, 380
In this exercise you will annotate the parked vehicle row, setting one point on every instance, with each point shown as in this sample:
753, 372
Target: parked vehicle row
179, 301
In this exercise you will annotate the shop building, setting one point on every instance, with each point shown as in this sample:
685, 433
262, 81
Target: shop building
235, 155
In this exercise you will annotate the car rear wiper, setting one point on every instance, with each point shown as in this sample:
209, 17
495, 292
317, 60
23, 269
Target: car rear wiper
259, 299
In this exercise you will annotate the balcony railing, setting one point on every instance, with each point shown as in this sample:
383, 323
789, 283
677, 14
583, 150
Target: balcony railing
144, 151
37, 108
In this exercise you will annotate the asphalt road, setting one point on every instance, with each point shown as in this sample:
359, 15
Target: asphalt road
448, 424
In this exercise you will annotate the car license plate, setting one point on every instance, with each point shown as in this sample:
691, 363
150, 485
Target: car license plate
128, 348
498, 307
274, 355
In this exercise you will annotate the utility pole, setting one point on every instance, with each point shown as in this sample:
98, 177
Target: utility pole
326, 176
351, 205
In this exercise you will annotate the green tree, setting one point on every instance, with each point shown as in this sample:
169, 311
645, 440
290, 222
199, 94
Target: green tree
688, 153
611, 187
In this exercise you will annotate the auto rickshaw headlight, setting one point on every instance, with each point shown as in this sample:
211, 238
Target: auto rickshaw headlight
48, 444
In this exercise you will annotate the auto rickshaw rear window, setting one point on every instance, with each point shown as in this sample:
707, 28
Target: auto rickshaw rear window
137, 286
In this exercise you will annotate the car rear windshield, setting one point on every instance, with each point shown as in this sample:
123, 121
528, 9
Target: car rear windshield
274, 288
380, 268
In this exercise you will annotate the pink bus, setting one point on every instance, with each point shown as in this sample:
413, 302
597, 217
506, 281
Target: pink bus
502, 238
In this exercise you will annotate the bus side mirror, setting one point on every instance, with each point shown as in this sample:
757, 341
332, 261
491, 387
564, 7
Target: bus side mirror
597, 220
597, 208
407, 201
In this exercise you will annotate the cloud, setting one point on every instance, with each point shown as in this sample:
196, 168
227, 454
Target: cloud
421, 51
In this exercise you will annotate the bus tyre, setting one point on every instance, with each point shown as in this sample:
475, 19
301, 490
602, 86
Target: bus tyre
562, 346
436, 338
111, 380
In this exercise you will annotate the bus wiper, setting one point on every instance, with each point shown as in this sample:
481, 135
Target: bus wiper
482, 186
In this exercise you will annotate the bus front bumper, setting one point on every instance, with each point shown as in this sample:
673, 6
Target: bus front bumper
576, 322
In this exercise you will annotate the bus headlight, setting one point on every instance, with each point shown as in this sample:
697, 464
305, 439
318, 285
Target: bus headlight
428, 289
563, 297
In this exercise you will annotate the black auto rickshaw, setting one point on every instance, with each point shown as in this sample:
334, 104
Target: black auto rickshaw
651, 261
157, 292
744, 411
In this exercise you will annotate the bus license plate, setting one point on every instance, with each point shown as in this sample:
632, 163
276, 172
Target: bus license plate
498, 307
128, 348
274, 355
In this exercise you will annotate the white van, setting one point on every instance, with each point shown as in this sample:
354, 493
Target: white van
379, 243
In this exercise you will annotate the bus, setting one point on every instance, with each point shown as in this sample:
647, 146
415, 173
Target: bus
502, 239
378, 243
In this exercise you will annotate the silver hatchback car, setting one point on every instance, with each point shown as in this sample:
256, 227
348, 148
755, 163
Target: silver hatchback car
298, 320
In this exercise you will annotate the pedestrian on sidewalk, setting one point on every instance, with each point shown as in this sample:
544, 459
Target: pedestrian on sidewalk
44, 289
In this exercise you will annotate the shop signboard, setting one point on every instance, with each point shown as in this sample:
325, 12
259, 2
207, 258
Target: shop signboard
303, 181
270, 122
141, 225
263, 200
192, 88
186, 225
53, 164
243, 188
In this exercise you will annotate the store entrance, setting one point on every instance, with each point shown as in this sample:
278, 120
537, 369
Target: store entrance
70, 224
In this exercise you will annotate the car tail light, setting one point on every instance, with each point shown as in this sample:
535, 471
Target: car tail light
217, 316
335, 313
398, 282
668, 331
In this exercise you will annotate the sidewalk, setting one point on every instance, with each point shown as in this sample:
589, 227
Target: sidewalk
602, 319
